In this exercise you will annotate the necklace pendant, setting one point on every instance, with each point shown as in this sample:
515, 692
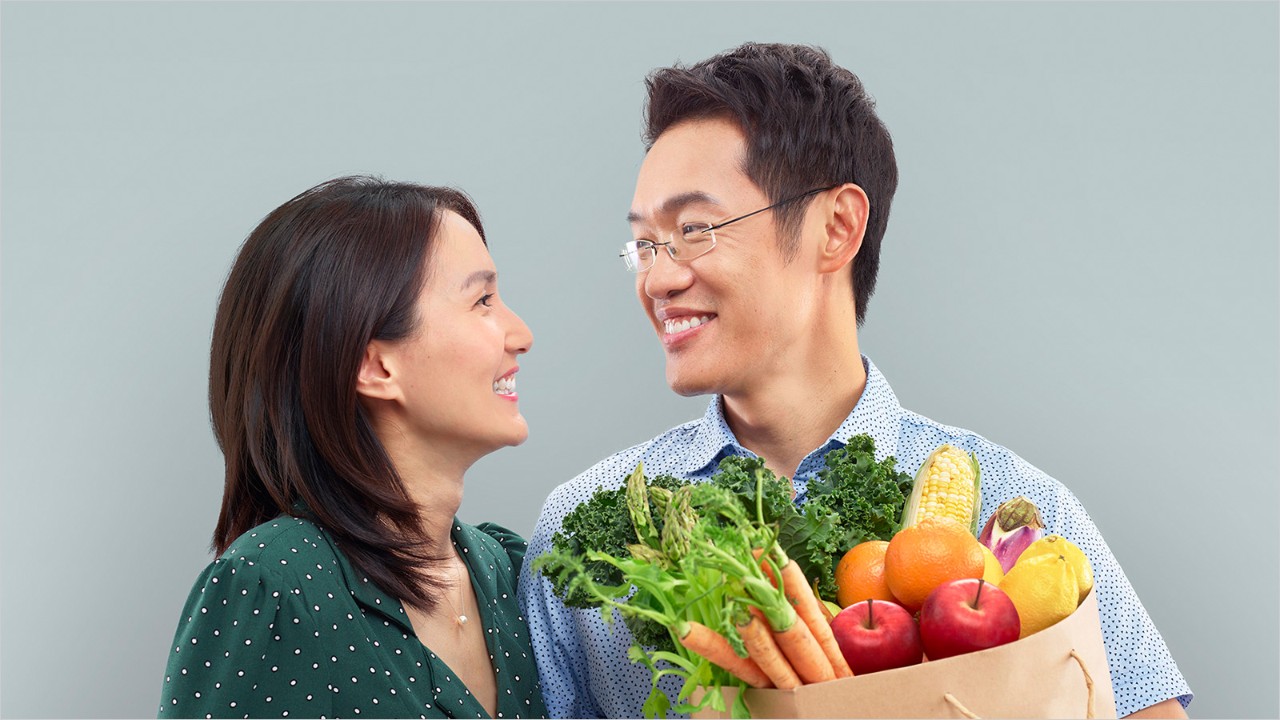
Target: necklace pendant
462, 619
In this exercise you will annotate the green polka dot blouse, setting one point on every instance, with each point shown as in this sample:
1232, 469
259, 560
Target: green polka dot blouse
283, 626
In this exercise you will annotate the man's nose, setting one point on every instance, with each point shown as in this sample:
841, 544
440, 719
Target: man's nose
667, 277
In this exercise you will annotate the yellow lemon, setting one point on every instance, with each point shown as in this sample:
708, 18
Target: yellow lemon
1058, 545
1043, 588
993, 573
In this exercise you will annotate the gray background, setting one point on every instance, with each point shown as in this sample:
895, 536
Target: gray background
1081, 265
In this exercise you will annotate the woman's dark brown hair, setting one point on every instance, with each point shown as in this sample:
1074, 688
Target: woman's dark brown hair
335, 267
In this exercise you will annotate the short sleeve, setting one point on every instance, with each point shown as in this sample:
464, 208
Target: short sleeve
1143, 671
246, 646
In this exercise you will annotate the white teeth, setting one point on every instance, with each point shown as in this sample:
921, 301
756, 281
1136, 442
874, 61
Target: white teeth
671, 327
505, 386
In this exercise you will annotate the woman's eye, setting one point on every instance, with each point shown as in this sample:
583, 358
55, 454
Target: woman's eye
486, 300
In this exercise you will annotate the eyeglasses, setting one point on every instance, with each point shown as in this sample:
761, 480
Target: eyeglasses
691, 240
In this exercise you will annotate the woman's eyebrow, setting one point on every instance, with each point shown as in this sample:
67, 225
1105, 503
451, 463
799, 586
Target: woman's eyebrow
479, 276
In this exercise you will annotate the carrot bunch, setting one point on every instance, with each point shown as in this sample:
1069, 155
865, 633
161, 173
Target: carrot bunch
782, 625
707, 567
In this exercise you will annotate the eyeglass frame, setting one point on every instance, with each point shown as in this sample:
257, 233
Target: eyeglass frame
669, 245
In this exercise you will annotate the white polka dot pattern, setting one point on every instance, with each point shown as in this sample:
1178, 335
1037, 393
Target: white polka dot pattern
281, 625
583, 662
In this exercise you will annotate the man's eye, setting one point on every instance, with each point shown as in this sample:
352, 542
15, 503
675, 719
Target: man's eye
688, 229
486, 300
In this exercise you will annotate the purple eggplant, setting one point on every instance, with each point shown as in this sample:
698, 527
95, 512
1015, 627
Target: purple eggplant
1010, 529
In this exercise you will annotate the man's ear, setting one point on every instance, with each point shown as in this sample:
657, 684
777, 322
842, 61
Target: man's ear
845, 227
375, 380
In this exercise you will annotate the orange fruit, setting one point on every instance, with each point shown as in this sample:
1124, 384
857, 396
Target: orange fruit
922, 557
860, 574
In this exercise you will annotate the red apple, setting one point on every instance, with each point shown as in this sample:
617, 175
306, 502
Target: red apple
965, 616
877, 635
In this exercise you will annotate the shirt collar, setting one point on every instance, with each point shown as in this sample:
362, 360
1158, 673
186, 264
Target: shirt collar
368, 594
712, 440
876, 414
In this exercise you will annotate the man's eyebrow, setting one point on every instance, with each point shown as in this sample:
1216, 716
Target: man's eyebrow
675, 203
479, 276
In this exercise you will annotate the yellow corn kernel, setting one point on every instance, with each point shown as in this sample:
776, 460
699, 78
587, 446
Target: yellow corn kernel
946, 487
949, 492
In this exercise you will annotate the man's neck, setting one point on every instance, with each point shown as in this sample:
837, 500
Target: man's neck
797, 411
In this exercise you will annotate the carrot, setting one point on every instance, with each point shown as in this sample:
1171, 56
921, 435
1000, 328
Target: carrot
810, 610
764, 565
763, 649
711, 645
804, 653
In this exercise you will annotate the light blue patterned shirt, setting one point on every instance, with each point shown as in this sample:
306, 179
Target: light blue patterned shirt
583, 662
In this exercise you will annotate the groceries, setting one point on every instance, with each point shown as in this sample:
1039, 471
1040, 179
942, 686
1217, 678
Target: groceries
727, 584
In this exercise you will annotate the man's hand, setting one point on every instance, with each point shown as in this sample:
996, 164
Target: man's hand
1170, 708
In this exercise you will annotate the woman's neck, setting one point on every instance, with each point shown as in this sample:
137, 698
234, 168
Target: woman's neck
433, 479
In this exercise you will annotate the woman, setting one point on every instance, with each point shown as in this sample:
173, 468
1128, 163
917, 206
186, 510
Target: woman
361, 362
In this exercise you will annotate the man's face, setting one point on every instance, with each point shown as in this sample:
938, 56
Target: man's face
726, 318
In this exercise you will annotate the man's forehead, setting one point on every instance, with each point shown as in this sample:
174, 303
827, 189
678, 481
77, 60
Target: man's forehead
694, 156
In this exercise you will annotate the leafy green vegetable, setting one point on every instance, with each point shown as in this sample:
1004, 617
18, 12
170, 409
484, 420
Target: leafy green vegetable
689, 557
603, 523
738, 474
859, 497
811, 538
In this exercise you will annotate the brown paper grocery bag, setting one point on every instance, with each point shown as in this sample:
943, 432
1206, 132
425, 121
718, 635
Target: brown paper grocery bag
1059, 672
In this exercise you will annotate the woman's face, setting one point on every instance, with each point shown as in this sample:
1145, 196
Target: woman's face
456, 373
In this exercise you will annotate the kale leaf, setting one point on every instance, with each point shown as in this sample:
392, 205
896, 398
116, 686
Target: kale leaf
737, 473
865, 496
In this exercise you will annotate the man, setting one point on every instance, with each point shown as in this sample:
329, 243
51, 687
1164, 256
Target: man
757, 217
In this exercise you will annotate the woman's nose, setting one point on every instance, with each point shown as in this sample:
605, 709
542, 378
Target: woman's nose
519, 337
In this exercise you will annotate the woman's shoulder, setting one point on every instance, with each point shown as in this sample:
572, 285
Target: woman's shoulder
497, 539
281, 541
283, 554
283, 562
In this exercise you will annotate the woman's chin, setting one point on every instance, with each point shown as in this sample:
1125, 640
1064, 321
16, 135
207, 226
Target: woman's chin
519, 433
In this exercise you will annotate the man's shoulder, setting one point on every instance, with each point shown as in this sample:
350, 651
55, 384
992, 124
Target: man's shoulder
1005, 474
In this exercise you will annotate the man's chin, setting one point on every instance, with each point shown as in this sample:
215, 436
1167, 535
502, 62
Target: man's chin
688, 384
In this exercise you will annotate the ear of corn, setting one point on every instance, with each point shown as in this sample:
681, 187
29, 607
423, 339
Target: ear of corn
948, 485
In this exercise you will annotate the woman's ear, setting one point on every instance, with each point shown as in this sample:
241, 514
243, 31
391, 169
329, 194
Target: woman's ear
375, 380
845, 227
